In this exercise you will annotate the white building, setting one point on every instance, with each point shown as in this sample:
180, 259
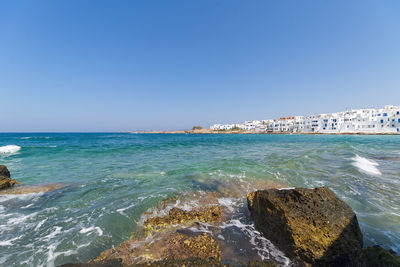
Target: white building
385, 120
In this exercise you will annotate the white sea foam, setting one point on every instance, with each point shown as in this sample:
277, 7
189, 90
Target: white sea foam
121, 210
8, 242
227, 202
40, 224
35, 137
366, 165
21, 219
23, 197
91, 229
9, 149
57, 230
263, 246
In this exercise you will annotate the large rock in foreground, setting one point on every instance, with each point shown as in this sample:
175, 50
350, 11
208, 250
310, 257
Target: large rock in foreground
311, 225
5, 178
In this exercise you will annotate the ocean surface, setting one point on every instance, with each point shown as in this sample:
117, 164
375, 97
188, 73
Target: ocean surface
111, 179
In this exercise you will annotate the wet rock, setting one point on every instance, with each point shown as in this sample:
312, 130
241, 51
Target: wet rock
201, 263
5, 178
203, 246
188, 262
378, 257
178, 216
171, 246
312, 226
4, 172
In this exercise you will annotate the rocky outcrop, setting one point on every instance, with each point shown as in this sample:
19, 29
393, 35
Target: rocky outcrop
5, 178
311, 225
166, 240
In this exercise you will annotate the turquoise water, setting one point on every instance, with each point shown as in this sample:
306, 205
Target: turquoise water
112, 178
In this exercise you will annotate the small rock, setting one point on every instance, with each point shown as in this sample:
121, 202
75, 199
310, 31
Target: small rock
4, 172
5, 178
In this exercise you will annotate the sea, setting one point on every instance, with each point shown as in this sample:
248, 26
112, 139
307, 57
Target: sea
110, 179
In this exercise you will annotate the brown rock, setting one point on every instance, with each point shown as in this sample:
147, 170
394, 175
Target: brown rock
5, 178
187, 262
203, 246
165, 246
4, 172
311, 225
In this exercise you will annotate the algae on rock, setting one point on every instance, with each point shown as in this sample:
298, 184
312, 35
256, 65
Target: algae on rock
311, 225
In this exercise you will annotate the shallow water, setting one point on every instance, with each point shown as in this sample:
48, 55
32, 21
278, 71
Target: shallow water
113, 178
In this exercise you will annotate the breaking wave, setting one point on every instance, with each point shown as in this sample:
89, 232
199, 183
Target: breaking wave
9, 149
366, 165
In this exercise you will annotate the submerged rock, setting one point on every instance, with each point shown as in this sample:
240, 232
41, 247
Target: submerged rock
28, 189
5, 178
311, 225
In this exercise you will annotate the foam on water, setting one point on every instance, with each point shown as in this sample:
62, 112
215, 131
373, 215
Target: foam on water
366, 165
21, 197
229, 203
8, 242
265, 249
9, 149
35, 137
91, 229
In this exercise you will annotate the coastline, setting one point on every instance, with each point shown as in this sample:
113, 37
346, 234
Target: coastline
209, 131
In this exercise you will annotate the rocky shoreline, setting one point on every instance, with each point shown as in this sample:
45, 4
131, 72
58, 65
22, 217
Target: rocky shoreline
313, 227
240, 223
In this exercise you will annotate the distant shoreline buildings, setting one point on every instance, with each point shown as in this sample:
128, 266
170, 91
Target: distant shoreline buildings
385, 120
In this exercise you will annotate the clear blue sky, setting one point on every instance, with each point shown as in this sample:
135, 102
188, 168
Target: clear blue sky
125, 65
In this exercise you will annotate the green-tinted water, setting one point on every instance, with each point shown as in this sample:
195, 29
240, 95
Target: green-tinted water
113, 178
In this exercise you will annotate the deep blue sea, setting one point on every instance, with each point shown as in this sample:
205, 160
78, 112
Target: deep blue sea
112, 178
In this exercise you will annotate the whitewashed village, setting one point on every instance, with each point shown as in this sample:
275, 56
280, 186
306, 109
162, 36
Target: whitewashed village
380, 121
